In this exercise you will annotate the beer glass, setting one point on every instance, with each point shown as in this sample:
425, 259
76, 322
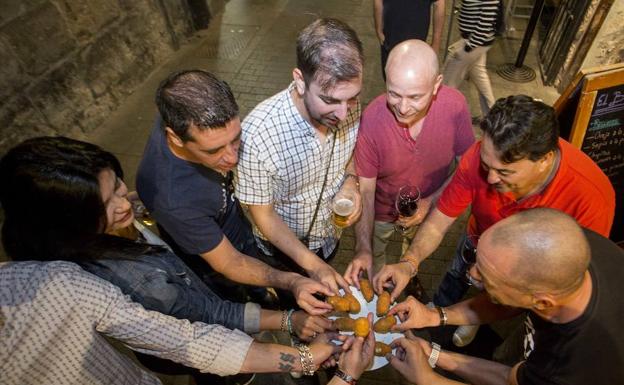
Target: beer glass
343, 206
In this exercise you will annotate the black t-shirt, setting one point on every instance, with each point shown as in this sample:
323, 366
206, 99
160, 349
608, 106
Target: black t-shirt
404, 20
590, 349
195, 205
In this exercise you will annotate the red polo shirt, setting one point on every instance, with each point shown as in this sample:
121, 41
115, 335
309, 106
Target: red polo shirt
579, 188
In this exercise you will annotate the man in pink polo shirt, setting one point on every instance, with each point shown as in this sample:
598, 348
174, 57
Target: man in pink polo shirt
411, 135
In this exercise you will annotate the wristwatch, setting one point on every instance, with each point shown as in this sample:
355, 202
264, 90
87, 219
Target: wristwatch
345, 377
435, 354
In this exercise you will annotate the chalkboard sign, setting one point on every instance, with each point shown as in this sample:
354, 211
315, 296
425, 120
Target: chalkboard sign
591, 116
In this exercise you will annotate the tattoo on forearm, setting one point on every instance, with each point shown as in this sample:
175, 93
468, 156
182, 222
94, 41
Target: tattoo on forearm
287, 359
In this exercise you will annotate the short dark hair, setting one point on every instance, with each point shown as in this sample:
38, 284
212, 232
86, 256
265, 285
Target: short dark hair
195, 97
521, 128
53, 206
330, 51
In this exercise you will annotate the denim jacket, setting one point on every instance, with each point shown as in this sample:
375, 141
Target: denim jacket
163, 283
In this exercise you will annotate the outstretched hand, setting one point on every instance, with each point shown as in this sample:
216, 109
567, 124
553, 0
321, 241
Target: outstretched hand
362, 262
329, 277
360, 353
414, 315
411, 360
307, 326
304, 289
394, 276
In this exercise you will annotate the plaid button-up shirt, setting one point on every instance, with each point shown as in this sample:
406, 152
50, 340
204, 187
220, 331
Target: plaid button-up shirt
283, 163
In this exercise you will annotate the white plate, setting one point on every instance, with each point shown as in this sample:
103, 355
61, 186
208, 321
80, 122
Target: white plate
366, 308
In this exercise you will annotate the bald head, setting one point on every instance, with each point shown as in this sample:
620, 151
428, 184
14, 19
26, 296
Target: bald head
545, 250
412, 59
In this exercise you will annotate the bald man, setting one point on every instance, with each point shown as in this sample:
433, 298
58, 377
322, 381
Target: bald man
568, 281
410, 135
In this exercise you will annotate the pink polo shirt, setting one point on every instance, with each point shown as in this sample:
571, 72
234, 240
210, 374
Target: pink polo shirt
386, 151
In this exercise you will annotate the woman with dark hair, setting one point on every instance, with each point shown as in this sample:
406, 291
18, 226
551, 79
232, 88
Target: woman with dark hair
65, 200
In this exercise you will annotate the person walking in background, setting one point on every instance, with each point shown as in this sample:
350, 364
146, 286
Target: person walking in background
478, 21
400, 20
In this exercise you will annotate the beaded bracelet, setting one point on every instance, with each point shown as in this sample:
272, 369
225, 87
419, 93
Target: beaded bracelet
307, 361
289, 321
284, 321
413, 265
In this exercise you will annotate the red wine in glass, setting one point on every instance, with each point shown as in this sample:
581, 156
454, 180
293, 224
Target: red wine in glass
406, 203
407, 206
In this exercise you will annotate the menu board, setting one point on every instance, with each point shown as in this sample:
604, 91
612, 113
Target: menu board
604, 138
591, 116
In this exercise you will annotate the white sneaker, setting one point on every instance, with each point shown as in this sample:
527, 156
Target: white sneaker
464, 335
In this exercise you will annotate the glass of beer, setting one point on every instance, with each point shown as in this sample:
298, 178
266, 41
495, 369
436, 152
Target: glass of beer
343, 206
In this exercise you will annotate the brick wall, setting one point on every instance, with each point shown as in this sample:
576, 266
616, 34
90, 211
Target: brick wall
66, 64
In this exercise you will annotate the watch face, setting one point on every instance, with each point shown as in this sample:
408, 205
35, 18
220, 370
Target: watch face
365, 308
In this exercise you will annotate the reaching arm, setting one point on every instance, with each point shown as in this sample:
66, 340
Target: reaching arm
242, 268
282, 237
427, 239
473, 311
378, 15
411, 360
267, 358
439, 16
363, 258
425, 205
304, 325
476, 371
429, 236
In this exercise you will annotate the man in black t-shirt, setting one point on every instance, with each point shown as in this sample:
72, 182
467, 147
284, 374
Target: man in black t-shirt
185, 181
569, 280
400, 20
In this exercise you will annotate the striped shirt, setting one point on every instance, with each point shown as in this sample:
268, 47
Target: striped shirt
54, 316
477, 21
283, 163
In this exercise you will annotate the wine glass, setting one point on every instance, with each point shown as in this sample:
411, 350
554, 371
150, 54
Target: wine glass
406, 203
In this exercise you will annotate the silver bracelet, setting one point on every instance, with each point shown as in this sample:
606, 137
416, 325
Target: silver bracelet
289, 321
435, 354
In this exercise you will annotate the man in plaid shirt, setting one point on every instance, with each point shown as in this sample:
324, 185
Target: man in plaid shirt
296, 149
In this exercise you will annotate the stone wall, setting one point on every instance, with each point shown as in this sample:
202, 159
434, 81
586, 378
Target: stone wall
608, 46
66, 64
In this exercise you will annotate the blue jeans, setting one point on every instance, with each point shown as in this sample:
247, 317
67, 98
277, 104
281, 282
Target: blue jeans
454, 284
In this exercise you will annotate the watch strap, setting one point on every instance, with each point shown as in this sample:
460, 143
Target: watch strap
443, 316
435, 354
345, 377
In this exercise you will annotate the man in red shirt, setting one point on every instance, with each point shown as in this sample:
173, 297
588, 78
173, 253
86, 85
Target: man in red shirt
520, 163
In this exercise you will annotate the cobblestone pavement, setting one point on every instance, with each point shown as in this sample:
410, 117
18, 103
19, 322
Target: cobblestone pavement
251, 44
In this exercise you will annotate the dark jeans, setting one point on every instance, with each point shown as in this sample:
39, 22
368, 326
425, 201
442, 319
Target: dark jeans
281, 261
454, 285
221, 285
